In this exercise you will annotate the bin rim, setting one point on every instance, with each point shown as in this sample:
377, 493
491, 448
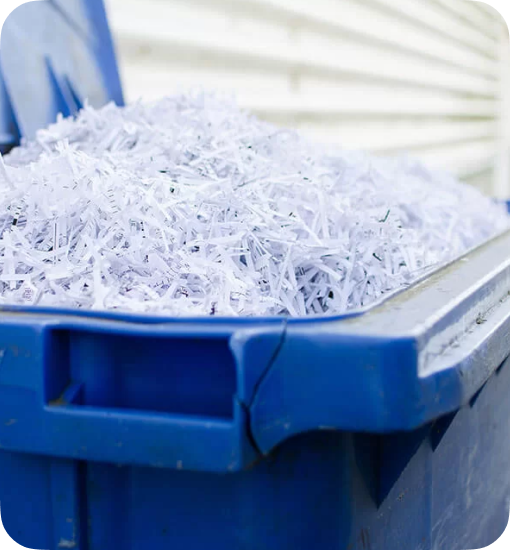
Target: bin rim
421, 354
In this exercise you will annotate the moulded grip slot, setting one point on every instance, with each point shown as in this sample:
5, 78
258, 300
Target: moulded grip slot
158, 374
163, 400
165, 395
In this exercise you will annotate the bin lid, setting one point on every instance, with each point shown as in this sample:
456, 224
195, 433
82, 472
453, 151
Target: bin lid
54, 55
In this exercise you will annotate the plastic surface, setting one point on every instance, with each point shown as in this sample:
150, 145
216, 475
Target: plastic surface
54, 54
443, 487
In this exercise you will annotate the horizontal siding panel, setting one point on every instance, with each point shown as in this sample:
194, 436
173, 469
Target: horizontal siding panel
363, 23
365, 104
372, 24
313, 54
394, 99
423, 76
492, 13
384, 137
483, 180
425, 13
400, 67
468, 11
465, 160
153, 81
271, 93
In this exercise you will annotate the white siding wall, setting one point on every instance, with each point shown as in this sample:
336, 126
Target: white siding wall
428, 76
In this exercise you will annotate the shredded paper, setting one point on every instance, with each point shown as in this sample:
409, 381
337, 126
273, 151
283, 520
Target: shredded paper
191, 206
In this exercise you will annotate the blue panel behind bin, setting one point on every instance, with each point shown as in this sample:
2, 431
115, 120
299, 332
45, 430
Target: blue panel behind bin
55, 54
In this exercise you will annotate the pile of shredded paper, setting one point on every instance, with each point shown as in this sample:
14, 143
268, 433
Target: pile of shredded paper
191, 206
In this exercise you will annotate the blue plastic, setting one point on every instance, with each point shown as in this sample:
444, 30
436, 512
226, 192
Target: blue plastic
54, 54
380, 430
441, 488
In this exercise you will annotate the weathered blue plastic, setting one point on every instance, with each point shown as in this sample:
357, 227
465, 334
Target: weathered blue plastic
382, 430
320, 490
54, 54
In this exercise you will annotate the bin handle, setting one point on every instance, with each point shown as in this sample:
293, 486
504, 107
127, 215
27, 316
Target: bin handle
56, 378
145, 438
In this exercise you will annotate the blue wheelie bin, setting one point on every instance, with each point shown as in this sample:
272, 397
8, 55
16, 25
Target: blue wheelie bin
385, 429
